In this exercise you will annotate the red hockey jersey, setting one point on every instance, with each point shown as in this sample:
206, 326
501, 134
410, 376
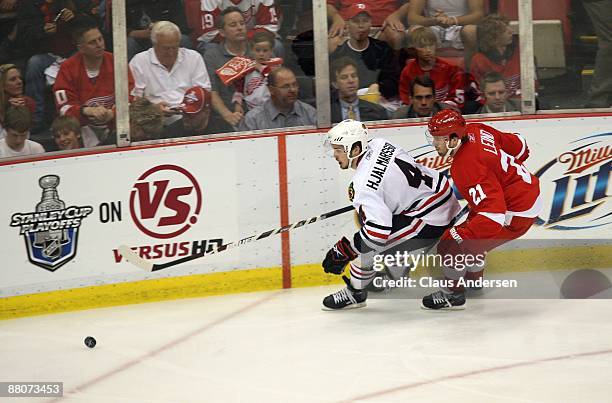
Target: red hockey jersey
449, 80
203, 17
488, 171
73, 88
510, 69
380, 9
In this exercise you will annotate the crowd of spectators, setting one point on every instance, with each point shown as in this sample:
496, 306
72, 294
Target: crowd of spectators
200, 67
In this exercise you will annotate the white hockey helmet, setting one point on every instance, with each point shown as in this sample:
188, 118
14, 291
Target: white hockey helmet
347, 133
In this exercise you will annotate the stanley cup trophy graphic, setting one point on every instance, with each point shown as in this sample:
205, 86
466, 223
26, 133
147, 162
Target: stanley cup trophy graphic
50, 241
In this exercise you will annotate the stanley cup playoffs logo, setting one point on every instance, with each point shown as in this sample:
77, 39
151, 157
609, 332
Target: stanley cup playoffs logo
51, 232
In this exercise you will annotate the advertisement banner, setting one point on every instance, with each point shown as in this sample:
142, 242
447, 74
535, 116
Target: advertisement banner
64, 219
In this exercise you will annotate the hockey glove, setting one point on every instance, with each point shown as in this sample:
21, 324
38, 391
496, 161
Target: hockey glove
338, 257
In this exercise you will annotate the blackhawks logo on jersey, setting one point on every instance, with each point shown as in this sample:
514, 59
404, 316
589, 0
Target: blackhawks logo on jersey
351, 192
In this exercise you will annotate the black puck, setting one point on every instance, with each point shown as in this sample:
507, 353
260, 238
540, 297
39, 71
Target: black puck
90, 342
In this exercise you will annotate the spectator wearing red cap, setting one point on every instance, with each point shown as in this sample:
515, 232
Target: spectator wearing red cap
376, 61
387, 15
196, 111
166, 71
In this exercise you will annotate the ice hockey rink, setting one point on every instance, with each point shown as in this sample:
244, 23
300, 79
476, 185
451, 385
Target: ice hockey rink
281, 347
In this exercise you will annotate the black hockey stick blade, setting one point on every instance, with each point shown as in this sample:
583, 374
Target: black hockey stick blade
132, 257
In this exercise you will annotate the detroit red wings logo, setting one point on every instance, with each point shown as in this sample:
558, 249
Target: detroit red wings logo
235, 69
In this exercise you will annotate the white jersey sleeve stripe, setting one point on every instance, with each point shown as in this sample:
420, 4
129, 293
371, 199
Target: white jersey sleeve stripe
523, 148
497, 217
407, 231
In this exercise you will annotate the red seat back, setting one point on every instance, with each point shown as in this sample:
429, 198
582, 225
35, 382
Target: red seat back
542, 10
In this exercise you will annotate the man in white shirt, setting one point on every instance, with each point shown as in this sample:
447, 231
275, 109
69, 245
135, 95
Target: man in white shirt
165, 72
18, 122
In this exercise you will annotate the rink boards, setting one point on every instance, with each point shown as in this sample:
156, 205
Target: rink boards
64, 217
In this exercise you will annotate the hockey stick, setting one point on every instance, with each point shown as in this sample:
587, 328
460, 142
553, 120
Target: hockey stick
131, 256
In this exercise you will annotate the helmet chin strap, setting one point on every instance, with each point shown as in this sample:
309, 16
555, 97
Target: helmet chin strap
450, 151
351, 159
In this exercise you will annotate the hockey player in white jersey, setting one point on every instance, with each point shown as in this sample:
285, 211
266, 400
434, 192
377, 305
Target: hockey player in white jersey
402, 206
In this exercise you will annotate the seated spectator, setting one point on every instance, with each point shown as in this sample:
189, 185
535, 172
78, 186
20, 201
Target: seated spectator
18, 122
227, 114
46, 27
496, 95
376, 61
196, 111
204, 19
165, 72
453, 22
283, 109
449, 79
67, 133
253, 89
146, 120
498, 52
85, 86
11, 92
387, 15
347, 104
423, 103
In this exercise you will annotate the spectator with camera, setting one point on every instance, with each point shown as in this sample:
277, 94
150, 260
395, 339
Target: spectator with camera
165, 72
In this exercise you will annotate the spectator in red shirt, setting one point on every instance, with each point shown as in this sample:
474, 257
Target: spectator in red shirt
46, 26
449, 79
85, 86
388, 15
499, 52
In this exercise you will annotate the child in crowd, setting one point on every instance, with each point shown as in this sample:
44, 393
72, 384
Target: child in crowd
18, 123
67, 133
254, 89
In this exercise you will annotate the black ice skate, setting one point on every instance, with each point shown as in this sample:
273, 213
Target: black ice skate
346, 298
440, 300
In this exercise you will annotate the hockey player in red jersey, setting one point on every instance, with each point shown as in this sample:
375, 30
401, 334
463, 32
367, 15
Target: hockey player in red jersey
503, 196
402, 206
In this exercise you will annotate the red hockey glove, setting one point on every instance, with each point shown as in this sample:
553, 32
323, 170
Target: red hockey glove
450, 243
234, 69
338, 257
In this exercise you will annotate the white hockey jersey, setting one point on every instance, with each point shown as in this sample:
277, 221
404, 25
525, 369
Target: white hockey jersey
389, 182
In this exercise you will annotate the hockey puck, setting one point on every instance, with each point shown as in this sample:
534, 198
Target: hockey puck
90, 342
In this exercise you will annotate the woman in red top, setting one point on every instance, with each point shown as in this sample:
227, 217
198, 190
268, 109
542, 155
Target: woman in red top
11, 91
499, 52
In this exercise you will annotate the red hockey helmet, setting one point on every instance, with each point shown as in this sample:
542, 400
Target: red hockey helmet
447, 122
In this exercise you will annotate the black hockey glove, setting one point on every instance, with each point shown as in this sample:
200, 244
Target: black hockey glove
338, 257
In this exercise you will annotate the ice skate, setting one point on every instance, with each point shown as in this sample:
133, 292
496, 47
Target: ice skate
346, 298
440, 300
